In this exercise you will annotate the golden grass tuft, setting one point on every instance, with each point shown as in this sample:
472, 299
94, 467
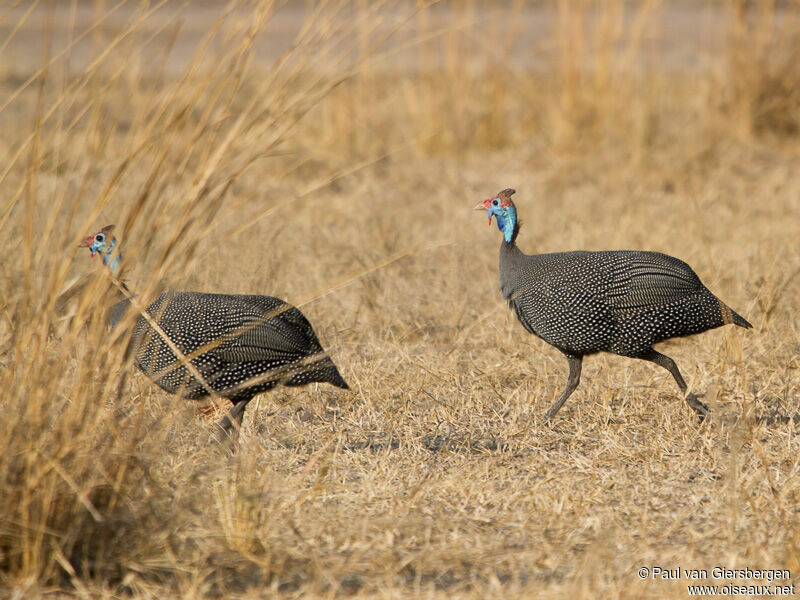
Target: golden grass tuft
336, 166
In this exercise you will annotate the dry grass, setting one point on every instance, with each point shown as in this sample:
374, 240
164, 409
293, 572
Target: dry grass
371, 138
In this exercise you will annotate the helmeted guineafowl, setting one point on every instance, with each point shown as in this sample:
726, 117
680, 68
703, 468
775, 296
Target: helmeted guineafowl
240, 345
621, 301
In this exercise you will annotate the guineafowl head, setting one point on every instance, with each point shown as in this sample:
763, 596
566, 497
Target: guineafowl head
503, 210
103, 242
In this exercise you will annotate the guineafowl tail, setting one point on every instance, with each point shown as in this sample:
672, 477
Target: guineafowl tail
336, 378
731, 316
741, 321
323, 371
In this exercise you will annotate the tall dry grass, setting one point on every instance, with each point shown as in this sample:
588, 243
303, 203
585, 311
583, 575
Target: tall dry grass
338, 172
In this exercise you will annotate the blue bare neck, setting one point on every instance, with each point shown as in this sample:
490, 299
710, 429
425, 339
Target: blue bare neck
506, 223
110, 259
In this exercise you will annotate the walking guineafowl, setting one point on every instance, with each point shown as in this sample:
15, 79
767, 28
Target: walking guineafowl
621, 301
240, 345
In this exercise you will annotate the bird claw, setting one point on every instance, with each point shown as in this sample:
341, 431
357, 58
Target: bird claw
701, 408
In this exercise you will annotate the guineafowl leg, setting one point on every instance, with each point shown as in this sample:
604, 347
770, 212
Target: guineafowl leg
232, 422
665, 361
572, 382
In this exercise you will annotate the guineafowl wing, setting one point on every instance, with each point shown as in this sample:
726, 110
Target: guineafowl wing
268, 329
642, 281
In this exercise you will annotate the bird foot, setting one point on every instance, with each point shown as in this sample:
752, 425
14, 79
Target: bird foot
227, 434
231, 424
701, 408
547, 420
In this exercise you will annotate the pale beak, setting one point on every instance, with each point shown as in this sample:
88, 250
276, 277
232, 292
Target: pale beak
480, 206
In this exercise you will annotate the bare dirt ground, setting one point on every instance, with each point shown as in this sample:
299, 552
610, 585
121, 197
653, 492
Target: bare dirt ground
333, 158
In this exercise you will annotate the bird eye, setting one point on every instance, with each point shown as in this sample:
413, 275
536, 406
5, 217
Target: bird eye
495, 202
99, 237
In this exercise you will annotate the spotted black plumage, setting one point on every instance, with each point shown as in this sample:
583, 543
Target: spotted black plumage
240, 345
248, 337
622, 301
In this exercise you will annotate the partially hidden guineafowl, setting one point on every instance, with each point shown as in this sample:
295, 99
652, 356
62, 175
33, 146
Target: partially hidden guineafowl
239, 345
621, 301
